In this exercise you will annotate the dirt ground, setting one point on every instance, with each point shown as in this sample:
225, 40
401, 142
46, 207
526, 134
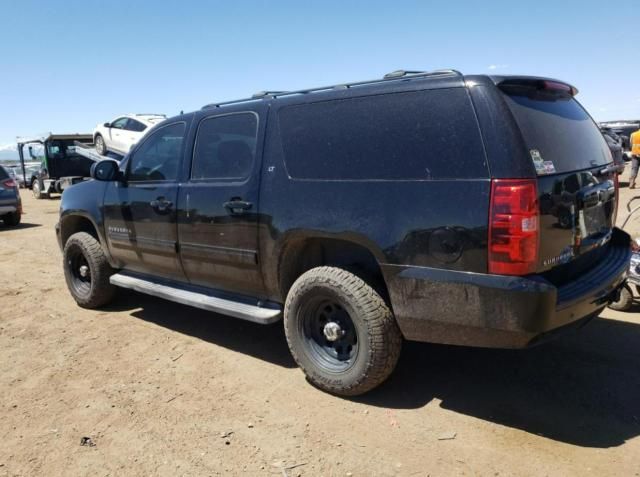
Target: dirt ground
163, 389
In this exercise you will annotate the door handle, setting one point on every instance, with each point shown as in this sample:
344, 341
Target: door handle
237, 206
161, 205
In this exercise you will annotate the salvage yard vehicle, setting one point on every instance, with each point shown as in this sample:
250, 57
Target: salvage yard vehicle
10, 202
631, 287
121, 134
418, 206
622, 129
61, 166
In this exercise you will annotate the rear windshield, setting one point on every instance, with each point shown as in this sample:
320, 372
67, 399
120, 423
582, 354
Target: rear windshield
560, 133
421, 135
3, 173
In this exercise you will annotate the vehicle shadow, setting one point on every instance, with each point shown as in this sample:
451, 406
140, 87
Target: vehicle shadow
582, 389
22, 225
267, 343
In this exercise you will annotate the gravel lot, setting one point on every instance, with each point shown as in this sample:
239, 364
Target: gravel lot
163, 389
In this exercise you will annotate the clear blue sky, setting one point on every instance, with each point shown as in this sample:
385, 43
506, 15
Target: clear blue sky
67, 65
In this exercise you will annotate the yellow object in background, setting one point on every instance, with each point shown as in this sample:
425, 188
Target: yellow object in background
634, 140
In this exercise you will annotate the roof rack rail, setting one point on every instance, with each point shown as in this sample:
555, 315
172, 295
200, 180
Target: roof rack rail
404, 73
393, 76
267, 94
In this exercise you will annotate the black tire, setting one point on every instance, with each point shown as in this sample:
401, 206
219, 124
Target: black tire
91, 289
101, 147
370, 342
36, 189
625, 302
12, 219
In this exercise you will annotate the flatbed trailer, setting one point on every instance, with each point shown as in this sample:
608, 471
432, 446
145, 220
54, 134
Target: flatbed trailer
89, 151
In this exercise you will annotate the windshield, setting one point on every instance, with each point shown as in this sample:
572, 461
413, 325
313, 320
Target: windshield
34, 152
559, 134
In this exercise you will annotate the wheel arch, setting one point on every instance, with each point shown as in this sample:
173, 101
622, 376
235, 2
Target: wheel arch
73, 223
301, 254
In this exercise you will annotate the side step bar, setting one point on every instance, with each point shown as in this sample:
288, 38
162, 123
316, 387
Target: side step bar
258, 314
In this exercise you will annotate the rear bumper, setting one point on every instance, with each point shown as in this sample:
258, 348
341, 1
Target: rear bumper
473, 309
8, 209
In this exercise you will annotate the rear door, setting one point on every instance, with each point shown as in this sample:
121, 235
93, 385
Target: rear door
218, 223
134, 130
117, 135
577, 193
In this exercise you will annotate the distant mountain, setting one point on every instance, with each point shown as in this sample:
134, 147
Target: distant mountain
8, 152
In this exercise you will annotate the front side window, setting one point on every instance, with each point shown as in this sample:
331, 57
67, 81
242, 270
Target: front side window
158, 158
119, 123
225, 147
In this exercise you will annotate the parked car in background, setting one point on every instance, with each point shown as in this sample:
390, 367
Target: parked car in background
427, 206
123, 132
615, 146
622, 129
10, 202
31, 171
12, 171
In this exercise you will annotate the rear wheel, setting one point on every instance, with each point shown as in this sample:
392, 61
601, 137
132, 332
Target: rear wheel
87, 271
101, 147
340, 331
12, 219
625, 301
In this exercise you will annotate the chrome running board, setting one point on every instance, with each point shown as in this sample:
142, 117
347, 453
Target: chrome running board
266, 314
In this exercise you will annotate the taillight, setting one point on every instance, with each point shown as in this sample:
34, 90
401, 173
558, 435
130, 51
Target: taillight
513, 227
9, 184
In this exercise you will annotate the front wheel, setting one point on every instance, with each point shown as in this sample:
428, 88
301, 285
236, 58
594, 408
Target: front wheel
36, 189
101, 147
87, 271
340, 331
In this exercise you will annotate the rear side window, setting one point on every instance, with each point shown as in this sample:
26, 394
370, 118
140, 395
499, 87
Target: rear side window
135, 126
225, 147
431, 134
3, 173
561, 132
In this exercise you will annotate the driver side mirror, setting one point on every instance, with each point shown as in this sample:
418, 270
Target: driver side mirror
107, 125
107, 171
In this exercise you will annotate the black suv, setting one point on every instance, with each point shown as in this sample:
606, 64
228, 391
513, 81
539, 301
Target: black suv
468, 210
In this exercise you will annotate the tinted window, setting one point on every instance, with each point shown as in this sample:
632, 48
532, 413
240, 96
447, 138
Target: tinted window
119, 123
135, 126
158, 158
225, 147
561, 131
3, 173
418, 135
